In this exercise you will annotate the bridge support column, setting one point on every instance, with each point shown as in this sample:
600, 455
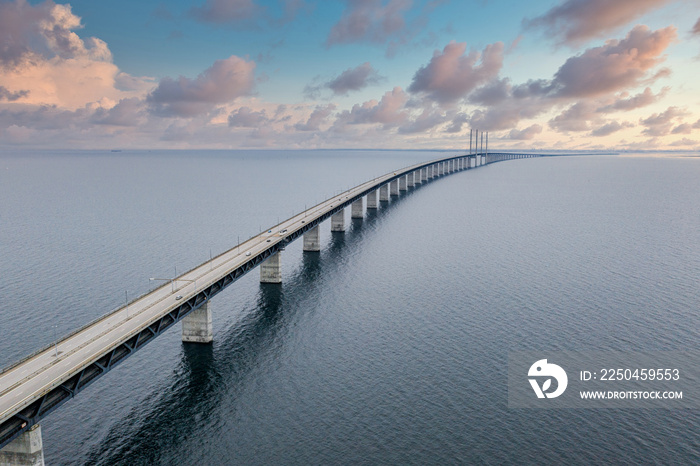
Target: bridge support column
416, 177
356, 209
424, 174
394, 188
441, 168
338, 221
384, 192
403, 184
411, 179
25, 450
271, 270
197, 326
312, 239
372, 200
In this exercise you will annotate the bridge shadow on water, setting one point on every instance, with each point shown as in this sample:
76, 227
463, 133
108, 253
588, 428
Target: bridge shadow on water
208, 375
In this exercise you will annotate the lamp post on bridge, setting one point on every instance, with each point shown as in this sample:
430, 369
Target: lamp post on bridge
173, 280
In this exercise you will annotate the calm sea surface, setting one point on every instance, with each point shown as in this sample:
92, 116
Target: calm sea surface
390, 346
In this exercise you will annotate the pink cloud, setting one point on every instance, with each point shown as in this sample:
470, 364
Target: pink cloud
318, 117
610, 128
685, 142
425, 121
575, 118
613, 66
44, 62
576, 21
127, 112
451, 75
684, 128
696, 28
223, 82
625, 103
369, 21
354, 79
389, 111
660, 124
525, 134
225, 11
244, 117
11, 96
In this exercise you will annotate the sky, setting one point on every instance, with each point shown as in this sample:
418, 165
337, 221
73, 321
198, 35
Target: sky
371, 74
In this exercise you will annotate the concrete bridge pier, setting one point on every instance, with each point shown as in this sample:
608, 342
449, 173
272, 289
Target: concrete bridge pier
441, 168
271, 269
312, 239
394, 188
431, 170
423, 174
417, 177
337, 221
372, 200
403, 184
25, 450
384, 192
357, 209
411, 179
197, 326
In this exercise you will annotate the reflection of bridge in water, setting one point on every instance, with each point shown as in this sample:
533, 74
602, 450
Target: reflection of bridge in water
35, 386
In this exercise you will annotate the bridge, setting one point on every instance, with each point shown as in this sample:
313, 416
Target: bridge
38, 384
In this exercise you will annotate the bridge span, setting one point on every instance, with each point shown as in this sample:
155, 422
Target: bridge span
35, 386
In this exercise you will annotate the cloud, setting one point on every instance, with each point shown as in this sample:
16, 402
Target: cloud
369, 21
49, 64
696, 125
574, 118
389, 111
685, 142
610, 128
224, 11
642, 99
576, 21
457, 122
451, 75
586, 84
660, 124
696, 28
128, 112
352, 79
9, 96
426, 120
29, 34
244, 117
224, 81
492, 93
684, 128
613, 66
318, 117
526, 134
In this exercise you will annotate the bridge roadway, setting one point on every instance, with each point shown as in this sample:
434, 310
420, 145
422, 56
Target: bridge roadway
35, 386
